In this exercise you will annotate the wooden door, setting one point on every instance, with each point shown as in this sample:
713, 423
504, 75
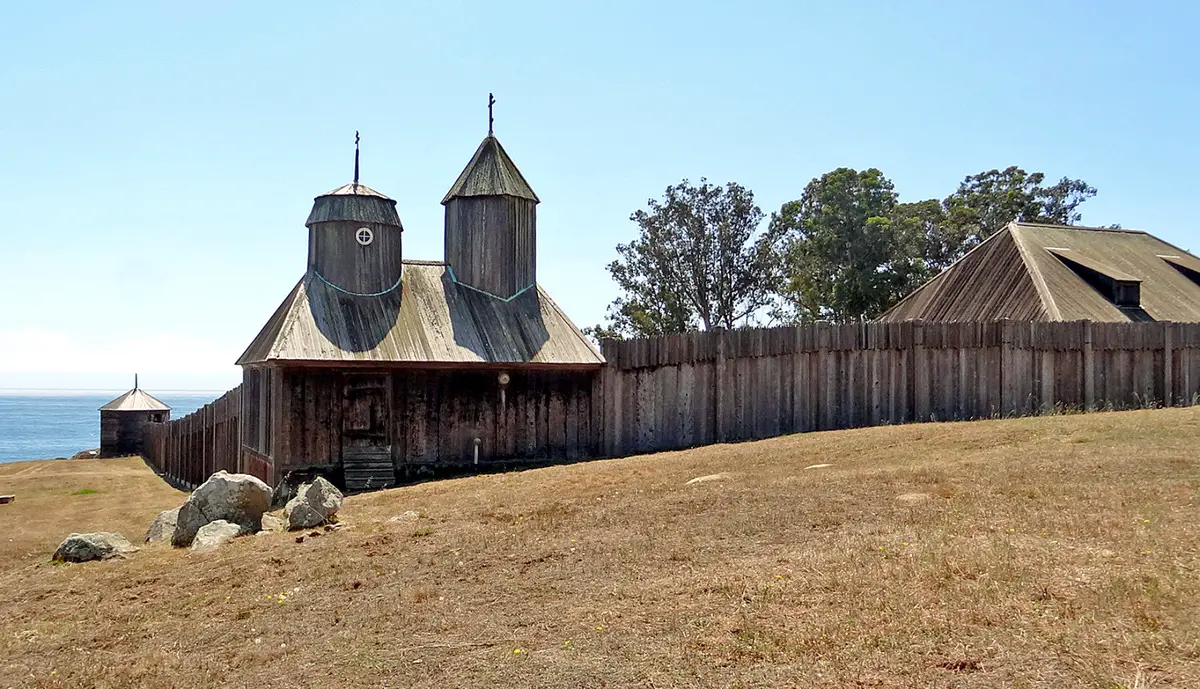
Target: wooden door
366, 425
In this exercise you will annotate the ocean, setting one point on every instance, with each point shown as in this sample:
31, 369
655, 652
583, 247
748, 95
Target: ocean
47, 425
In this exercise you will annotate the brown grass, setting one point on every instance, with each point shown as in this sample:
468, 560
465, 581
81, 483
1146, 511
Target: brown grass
1052, 552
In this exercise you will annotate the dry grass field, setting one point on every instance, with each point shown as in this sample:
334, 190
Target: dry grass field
1048, 552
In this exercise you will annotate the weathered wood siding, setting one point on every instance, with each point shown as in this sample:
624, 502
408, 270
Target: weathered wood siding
701, 388
335, 255
491, 243
677, 392
190, 449
436, 415
121, 432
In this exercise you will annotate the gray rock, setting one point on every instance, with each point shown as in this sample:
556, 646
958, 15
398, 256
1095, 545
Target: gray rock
315, 503
163, 526
84, 547
215, 533
236, 498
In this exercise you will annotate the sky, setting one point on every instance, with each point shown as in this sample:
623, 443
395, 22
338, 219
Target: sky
158, 160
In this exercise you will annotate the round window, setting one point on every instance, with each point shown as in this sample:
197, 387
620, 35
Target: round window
364, 236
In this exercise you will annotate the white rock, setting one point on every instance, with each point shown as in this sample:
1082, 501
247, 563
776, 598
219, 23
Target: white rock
315, 503
213, 534
102, 545
817, 466
238, 498
271, 523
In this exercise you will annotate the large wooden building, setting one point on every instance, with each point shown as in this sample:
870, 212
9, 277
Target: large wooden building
1030, 272
375, 367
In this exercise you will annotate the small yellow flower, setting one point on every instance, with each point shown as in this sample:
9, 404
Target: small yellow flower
1145, 521
599, 627
54, 672
516, 651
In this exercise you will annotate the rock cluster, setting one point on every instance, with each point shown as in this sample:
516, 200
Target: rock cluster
222, 508
236, 498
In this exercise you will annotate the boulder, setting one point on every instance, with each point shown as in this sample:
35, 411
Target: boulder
163, 526
315, 504
84, 547
214, 534
236, 498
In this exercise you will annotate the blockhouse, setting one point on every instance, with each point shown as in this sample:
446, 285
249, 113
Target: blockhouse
124, 419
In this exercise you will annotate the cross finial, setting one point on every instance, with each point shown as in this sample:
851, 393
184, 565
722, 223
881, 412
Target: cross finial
356, 160
491, 120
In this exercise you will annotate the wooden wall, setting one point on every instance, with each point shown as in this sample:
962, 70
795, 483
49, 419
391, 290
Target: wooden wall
681, 391
491, 243
701, 388
121, 432
335, 254
190, 449
434, 417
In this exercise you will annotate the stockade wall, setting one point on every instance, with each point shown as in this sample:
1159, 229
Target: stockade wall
190, 449
701, 388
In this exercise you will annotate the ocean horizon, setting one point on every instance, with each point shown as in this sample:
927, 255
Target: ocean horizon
49, 424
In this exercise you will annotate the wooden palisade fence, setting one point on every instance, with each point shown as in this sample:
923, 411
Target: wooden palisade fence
191, 448
702, 388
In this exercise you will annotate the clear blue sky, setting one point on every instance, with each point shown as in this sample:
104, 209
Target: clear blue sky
157, 160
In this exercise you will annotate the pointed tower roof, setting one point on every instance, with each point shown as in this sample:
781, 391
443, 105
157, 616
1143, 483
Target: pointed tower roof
354, 202
491, 173
136, 400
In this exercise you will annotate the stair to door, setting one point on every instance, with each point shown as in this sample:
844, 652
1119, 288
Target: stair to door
368, 468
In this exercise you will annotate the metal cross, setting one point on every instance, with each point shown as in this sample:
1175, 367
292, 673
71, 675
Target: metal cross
356, 157
491, 102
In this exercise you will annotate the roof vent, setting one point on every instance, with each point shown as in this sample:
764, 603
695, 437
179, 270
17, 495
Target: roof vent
1187, 265
1121, 290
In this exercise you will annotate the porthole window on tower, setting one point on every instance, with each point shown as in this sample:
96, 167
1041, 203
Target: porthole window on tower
364, 236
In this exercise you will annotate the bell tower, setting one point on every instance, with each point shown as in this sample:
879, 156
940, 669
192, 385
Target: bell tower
491, 223
354, 239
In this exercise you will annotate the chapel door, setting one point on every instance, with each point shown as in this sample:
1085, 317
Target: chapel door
366, 424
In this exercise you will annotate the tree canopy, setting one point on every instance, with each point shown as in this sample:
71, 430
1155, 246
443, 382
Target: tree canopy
698, 262
847, 249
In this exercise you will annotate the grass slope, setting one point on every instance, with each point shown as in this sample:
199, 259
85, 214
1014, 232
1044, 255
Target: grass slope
1051, 552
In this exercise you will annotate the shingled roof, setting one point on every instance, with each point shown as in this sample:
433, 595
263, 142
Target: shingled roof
354, 202
491, 173
1057, 273
430, 320
136, 400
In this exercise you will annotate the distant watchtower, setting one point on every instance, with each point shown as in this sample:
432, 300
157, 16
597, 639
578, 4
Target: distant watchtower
123, 419
354, 239
491, 223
